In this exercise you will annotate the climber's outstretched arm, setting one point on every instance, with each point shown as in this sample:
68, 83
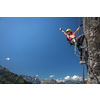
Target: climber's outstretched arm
78, 29
65, 33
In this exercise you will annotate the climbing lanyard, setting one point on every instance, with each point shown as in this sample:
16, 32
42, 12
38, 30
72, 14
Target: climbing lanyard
75, 43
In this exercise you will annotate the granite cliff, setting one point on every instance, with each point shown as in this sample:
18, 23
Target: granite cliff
91, 30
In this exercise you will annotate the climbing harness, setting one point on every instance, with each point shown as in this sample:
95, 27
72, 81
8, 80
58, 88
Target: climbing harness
72, 42
69, 41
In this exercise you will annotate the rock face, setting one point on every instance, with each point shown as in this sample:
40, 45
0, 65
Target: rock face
91, 29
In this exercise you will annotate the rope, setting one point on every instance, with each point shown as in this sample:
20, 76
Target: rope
79, 33
83, 73
81, 28
78, 25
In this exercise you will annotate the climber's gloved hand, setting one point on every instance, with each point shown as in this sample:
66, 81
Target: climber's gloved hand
81, 25
60, 29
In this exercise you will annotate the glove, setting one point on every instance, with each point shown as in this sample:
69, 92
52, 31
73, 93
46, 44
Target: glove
81, 25
60, 29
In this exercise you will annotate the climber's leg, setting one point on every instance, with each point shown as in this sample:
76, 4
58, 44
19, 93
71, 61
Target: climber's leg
80, 52
81, 60
80, 55
79, 45
80, 39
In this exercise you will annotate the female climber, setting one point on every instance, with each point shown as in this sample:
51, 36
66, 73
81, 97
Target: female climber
72, 38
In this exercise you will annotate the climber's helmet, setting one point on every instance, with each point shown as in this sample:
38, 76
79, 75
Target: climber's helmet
69, 31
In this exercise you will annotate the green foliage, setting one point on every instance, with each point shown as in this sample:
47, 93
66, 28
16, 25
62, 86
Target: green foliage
7, 77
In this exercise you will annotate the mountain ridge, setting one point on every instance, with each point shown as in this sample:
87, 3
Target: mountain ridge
7, 77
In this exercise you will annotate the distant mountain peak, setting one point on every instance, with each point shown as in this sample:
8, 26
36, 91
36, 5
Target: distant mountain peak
48, 81
31, 80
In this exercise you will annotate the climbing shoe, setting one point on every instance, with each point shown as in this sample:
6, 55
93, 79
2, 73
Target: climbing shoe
81, 47
82, 62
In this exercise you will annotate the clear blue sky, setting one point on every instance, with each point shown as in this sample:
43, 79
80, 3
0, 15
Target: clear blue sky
35, 46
